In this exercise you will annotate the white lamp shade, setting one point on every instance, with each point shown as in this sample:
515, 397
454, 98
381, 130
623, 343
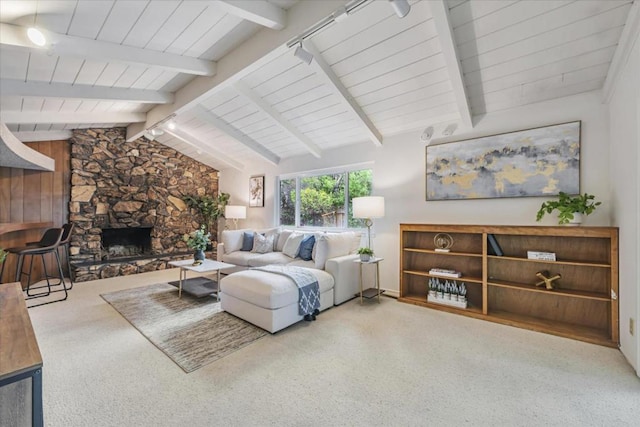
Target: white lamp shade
368, 207
235, 212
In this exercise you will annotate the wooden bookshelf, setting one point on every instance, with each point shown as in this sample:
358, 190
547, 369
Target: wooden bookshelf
583, 304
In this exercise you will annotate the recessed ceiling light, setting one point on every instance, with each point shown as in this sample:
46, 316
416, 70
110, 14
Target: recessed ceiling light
171, 125
36, 36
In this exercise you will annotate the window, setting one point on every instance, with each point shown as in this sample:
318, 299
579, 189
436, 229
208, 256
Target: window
323, 200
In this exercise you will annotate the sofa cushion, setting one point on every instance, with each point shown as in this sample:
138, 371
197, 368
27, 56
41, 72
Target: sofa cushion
239, 258
302, 263
268, 290
292, 245
232, 240
262, 244
333, 245
247, 241
260, 260
282, 239
306, 247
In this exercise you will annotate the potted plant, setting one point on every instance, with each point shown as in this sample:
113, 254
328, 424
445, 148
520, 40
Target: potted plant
3, 255
365, 254
570, 208
198, 241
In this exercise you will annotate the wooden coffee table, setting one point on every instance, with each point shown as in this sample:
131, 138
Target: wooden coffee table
199, 286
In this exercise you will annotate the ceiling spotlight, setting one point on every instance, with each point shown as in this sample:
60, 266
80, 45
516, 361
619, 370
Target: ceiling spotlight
36, 36
427, 134
400, 7
171, 125
340, 14
303, 55
156, 132
449, 130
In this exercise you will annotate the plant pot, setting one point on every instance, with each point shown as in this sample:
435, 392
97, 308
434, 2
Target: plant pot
198, 255
577, 220
365, 257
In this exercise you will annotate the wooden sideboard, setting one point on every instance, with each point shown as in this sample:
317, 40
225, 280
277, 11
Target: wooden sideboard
20, 361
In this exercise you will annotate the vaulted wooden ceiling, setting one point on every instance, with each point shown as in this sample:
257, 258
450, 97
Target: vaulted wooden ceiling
225, 72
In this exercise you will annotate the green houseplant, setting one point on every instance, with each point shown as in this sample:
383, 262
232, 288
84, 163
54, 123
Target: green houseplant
365, 254
209, 207
568, 206
3, 255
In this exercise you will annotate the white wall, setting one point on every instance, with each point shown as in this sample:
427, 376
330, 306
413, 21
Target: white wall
624, 110
399, 176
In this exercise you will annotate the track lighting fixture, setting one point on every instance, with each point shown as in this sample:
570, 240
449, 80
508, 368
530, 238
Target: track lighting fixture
171, 125
400, 7
303, 55
427, 135
156, 132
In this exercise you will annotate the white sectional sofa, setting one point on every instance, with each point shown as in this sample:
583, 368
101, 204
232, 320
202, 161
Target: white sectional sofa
270, 300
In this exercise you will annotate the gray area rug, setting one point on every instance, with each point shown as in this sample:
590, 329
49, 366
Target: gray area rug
192, 332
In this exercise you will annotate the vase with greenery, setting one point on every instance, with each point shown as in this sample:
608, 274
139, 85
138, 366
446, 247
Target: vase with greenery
198, 241
365, 254
3, 255
569, 207
210, 208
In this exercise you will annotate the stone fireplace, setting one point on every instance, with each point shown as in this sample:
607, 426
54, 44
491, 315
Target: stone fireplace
127, 203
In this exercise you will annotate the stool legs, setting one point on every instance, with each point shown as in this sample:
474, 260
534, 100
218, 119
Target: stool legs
48, 285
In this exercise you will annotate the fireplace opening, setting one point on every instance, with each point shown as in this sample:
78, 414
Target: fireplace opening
126, 242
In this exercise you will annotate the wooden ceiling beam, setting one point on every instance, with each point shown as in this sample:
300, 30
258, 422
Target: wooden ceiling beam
52, 117
324, 72
12, 87
283, 123
14, 36
199, 144
234, 133
442, 21
259, 11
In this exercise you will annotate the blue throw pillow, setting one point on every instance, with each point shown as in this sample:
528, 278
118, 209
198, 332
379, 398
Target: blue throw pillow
306, 247
247, 241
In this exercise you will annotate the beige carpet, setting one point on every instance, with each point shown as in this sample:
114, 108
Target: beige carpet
193, 332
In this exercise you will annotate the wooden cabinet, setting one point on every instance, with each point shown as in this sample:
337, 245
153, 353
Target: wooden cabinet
583, 304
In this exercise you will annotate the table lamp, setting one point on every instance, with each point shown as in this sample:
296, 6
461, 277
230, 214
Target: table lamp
367, 208
235, 212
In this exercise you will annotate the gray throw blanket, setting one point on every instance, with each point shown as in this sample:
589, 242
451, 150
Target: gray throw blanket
308, 288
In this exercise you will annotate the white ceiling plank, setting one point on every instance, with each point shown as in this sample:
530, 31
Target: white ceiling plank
625, 44
325, 73
249, 56
22, 117
440, 13
415, 96
178, 22
50, 104
237, 135
150, 22
537, 25
417, 81
109, 76
557, 53
89, 72
50, 135
98, 11
66, 69
63, 90
277, 117
469, 11
203, 47
542, 42
122, 17
258, 11
16, 68
41, 67
204, 146
14, 36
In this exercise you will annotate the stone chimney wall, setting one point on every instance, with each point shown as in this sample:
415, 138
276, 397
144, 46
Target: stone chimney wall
115, 183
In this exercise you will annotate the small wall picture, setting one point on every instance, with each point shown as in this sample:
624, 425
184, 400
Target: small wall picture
256, 191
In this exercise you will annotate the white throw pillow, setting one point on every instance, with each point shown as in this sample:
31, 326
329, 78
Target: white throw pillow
282, 239
262, 244
232, 240
292, 245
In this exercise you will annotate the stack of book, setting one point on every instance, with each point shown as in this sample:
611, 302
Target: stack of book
444, 272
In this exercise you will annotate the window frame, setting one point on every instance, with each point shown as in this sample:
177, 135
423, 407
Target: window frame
298, 176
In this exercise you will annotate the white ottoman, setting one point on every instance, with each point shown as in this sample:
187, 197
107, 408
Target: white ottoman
269, 300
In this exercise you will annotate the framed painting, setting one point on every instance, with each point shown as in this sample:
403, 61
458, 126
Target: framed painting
534, 162
256, 191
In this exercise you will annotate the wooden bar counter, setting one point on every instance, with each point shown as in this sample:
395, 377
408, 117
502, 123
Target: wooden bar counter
20, 361
8, 227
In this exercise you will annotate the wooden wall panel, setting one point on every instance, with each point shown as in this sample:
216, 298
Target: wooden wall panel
35, 196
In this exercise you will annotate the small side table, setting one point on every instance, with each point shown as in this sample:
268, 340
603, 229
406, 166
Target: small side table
371, 292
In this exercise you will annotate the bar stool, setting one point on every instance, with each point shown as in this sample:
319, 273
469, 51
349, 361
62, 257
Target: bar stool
49, 243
